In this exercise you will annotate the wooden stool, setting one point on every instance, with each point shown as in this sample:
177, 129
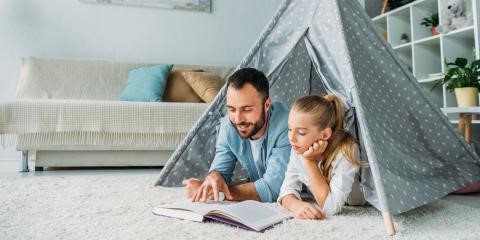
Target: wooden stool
465, 119
465, 125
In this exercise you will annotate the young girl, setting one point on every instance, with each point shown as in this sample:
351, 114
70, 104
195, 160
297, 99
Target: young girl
324, 158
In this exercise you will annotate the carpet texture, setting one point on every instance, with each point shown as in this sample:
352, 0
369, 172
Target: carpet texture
118, 206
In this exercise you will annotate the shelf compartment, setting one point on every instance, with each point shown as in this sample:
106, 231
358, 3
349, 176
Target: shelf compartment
381, 26
405, 54
422, 10
399, 23
460, 43
427, 58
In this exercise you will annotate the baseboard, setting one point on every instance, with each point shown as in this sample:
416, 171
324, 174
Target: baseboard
106, 158
9, 159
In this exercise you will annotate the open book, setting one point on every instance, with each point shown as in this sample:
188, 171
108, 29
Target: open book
250, 215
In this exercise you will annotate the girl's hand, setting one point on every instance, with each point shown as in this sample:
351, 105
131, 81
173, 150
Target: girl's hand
308, 211
315, 151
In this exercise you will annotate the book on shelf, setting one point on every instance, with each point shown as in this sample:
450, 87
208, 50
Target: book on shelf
250, 215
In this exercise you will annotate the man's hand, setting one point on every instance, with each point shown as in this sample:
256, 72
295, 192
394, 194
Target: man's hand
213, 183
191, 186
305, 210
315, 151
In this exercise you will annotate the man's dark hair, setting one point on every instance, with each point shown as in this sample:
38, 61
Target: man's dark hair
250, 75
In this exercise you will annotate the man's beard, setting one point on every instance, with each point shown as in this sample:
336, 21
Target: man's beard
256, 126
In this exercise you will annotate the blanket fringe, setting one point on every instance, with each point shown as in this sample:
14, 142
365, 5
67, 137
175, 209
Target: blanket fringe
135, 140
8, 140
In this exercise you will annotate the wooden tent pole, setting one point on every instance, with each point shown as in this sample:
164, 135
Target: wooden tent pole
384, 7
388, 220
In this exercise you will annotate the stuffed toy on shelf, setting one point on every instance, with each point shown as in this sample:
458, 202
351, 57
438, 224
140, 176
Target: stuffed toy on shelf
455, 16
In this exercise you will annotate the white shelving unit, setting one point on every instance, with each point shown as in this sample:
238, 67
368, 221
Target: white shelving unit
425, 54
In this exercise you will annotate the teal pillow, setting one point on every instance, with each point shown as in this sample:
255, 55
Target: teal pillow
146, 84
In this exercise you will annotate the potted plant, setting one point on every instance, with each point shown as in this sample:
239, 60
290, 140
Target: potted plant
431, 22
464, 80
404, 38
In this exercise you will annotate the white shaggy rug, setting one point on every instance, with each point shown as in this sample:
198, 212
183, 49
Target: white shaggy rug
118, 205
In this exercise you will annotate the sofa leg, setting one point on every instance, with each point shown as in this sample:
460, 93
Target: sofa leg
24, 162
38, 169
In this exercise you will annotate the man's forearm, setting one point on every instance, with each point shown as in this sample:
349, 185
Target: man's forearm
246, 191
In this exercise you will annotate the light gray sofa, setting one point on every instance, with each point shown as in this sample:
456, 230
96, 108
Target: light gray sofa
67, 113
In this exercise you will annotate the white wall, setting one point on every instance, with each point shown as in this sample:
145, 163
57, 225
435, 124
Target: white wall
67, 28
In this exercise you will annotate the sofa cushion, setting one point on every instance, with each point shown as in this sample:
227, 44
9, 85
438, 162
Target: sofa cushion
178, 90
146, 84
205, 84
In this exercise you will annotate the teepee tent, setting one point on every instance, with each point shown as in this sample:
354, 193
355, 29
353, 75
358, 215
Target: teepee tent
331, 46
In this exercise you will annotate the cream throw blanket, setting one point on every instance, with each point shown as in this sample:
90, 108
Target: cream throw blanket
43, 122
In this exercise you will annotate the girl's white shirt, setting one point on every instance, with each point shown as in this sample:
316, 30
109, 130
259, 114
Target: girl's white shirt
343, 176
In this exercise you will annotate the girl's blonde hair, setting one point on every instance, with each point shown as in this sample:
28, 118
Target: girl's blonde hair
328, 112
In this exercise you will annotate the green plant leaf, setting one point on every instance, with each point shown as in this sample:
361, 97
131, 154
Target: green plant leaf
459, 74
475, 66
431, 21
461, 62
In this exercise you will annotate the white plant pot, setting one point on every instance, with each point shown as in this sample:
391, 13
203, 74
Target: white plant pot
467, 97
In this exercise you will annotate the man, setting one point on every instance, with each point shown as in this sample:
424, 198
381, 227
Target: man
255, 133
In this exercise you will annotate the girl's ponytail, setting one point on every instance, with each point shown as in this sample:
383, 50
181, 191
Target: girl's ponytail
339, 110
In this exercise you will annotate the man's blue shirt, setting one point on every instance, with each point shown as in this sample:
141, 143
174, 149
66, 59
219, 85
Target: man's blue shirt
230, 148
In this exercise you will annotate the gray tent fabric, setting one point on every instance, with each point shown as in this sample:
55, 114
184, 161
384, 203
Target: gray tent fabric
331, 46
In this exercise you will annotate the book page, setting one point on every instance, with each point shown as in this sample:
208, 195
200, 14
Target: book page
254, 214
198, 207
